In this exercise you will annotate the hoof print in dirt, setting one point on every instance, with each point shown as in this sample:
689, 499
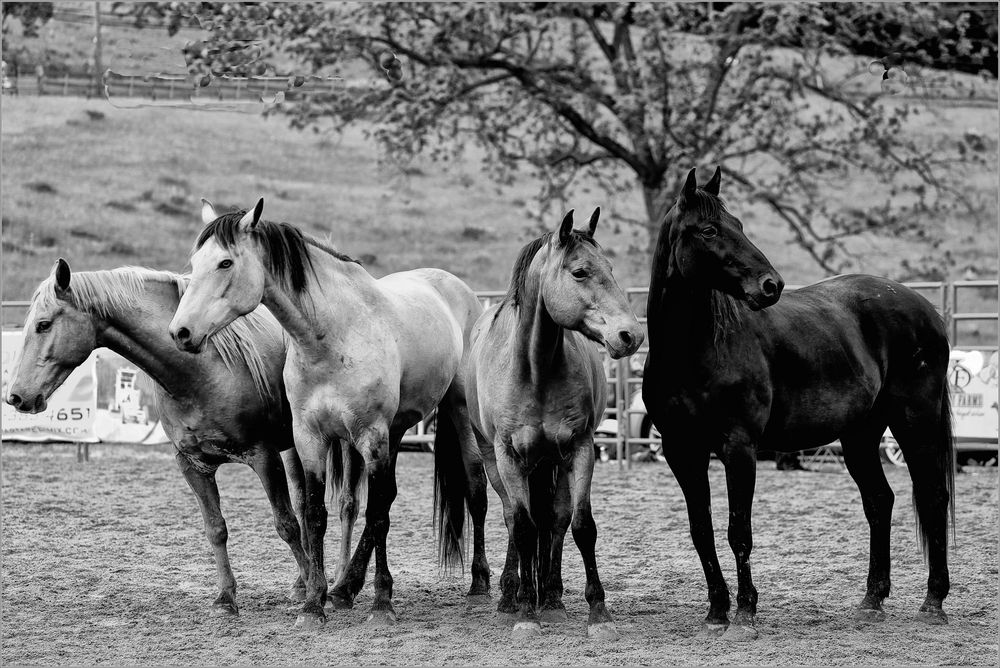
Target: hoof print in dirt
869, 615
309, 621
476, 600
736, 633
712, 630
524, 630
553, 615
935, 616
602, 631
381, 618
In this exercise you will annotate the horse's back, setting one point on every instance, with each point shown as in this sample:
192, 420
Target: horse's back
836, 348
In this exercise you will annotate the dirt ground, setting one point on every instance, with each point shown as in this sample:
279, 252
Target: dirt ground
106, 562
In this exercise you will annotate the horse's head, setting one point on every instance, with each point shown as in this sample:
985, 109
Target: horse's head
580, 293
58, 337
707, 246
227, 277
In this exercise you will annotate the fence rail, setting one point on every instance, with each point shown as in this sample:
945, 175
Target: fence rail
625, 379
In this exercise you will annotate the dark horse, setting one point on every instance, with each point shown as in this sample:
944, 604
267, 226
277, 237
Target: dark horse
843, 358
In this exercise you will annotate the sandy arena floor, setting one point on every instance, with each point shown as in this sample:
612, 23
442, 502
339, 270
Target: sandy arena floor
106, 562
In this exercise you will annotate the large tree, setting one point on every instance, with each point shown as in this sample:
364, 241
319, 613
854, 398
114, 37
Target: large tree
629, 96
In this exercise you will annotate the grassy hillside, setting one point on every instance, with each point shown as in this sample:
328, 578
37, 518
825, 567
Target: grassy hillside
105, 187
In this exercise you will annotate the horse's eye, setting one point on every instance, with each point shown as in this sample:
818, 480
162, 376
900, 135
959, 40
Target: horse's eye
43, 326
580, 273
708, 231
225, 264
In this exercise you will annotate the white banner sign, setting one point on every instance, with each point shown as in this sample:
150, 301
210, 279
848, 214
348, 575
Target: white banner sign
71, 411
972, 378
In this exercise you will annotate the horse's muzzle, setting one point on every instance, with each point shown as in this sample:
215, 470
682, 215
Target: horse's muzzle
38, 405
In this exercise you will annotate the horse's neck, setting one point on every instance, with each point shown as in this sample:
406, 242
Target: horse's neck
681, 318
327, 308
139, 335
537, 339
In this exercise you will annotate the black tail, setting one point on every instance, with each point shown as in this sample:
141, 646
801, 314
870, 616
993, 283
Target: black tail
944, 464
450, 490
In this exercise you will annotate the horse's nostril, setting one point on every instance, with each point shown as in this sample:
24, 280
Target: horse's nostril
769, 287
14, 400
625, 337
183, 334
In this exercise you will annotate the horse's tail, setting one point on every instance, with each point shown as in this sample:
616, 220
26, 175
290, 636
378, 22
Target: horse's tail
942, 464
450, 490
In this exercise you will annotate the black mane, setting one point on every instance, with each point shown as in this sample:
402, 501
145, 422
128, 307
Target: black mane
286, 247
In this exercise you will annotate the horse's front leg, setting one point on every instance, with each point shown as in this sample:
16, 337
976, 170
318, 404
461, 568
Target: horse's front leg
689, 464
740, 459
312, 449
600, 624
269, 468
202, 483
525, 538
507, 605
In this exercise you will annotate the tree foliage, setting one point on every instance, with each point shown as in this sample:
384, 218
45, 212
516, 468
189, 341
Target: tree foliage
628, 96
32, 15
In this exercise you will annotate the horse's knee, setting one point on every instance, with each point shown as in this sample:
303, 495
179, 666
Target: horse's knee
288, 529
216, 531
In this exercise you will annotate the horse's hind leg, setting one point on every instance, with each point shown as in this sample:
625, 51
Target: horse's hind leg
296, 492
553, 609
269, 468
861, 455
924, 437
509, 581
599, 623
381, 494
352, 470
207, 492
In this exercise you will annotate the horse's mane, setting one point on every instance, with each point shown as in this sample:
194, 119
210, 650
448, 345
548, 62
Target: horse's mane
286, 247
519, 274
104, 292
727, 314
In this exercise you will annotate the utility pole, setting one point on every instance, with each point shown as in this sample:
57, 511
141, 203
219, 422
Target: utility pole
98, 68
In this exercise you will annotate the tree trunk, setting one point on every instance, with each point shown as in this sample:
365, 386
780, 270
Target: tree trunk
658, 199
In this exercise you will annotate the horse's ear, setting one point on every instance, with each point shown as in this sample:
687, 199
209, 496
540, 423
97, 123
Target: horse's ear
566, 227
208, 213
252, 216
61, 273
712, 187
690, 185
593, 221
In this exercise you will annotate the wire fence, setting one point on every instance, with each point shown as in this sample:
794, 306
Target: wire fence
968, 307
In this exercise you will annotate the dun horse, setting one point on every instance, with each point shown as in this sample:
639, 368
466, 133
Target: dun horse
731, 369
536, 393
367, 359
227, 405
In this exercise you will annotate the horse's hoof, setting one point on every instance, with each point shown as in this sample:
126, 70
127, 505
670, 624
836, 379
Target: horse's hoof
713, 629
929, 615
225, 610
525, 630
339, 603
310, 620
475, 600
379, 618
553, 615
602, 631
869, 615
737, 633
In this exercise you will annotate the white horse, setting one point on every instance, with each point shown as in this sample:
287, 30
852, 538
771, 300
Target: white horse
227, 405
367, 360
